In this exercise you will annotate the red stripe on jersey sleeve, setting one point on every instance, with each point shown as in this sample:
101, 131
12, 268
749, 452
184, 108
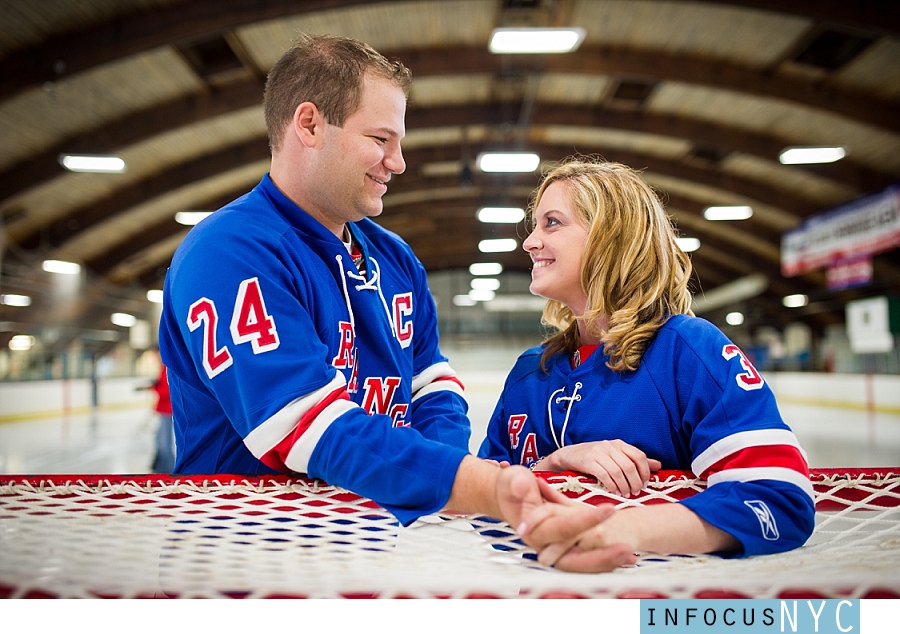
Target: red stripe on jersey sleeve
437, 381
783, 456
451, 378
275, 457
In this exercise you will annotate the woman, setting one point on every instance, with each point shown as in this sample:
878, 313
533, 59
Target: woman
632, 382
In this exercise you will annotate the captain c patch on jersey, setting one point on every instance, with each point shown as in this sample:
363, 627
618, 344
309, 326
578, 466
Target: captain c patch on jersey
402, 313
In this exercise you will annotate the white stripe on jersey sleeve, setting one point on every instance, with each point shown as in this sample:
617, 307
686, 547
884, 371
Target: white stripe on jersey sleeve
298, 458
439, 386
763, 473
273, 430
432, 373
742, 440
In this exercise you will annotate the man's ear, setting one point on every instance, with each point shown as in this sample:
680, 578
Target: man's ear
308, 124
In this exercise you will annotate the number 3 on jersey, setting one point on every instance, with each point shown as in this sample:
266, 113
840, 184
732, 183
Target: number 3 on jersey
249, 323
749, 380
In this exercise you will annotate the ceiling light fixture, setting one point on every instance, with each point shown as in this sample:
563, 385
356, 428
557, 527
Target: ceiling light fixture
795, 301
498, 245
123, 319
92, 163
485, 284
728, 212
155, 295
810, 155
21, 342
480, 295
486, 268
508, 162
525, 40
190, 218
60, 266
734, 319
11, 299
688, 245
463, 300
504, 215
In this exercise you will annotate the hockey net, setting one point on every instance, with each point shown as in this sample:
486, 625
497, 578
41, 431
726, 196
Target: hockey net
230, 536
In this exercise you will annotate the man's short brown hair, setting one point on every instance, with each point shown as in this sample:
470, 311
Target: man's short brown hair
327, 71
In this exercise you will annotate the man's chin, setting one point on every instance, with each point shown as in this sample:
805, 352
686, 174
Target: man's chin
374, 211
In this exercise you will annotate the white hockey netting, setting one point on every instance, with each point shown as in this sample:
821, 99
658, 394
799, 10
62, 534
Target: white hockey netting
231, 536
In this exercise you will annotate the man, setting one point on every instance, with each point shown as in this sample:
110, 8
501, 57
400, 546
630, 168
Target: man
301, 337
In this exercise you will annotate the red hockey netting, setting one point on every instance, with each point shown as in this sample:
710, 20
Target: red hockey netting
233, 536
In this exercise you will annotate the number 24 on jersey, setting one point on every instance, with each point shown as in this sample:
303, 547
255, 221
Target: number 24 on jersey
250, 323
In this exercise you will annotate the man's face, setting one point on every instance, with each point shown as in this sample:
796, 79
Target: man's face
357, 160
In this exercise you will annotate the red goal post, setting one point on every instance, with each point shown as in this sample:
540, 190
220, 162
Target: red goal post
280, 536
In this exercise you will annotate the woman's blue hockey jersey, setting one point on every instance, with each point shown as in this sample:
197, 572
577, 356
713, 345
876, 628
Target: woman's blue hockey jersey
695, 402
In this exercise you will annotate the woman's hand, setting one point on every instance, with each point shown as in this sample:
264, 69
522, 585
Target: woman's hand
622, 468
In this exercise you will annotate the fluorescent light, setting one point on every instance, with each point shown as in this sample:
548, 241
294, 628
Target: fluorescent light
59, 266
463, 300
123, 319
807, 155
505, 215
190, 218
688, 244
92, 163
508, 161
485, 284
536, 40
795, 301
11, 299
486, 268
498, 245
21, 342
481, 295
734, 319
728, 212
155, 295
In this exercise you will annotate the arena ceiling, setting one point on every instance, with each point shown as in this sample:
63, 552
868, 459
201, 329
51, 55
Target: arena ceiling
702, 96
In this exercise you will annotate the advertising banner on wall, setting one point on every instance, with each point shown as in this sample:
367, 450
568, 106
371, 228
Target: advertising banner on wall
848, 233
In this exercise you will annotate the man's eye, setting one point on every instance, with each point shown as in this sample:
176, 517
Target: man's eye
381, 140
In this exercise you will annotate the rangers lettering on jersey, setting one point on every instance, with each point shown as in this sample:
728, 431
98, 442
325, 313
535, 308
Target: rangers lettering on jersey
514, 426
344, 357
379, 392
529, 449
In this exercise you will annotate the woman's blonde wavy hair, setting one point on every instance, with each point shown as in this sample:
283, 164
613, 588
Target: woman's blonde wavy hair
632, 269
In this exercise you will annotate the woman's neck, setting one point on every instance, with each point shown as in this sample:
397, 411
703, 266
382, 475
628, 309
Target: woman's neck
585, 338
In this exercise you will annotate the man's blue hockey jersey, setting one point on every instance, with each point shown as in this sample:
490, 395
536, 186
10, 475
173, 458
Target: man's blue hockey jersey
695, 402
283, 357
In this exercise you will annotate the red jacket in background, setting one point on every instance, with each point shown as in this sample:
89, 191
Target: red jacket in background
163, 403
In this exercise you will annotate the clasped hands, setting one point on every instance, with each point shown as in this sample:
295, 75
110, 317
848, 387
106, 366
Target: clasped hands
570, 535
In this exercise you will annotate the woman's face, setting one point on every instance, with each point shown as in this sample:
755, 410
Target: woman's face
556, 246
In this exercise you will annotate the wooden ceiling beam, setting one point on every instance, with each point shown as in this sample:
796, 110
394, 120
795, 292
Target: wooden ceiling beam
180, 113
220, 161
65, 54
